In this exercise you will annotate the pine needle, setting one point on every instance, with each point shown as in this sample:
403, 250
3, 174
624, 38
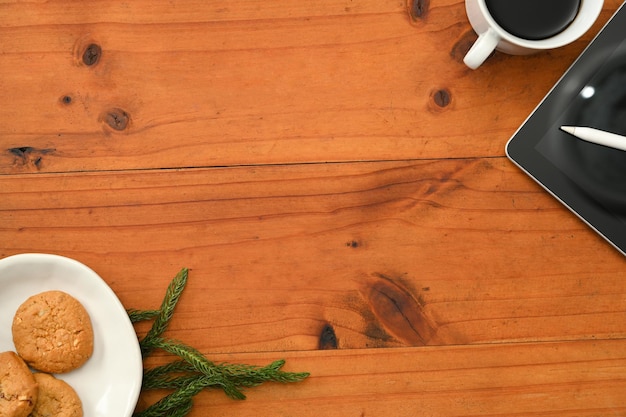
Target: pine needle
162, 320
192, 371
141, 315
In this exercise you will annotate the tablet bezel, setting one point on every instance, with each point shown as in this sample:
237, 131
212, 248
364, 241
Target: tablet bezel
521, 147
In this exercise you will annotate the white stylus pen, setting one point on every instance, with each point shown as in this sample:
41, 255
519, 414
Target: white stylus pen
597, 136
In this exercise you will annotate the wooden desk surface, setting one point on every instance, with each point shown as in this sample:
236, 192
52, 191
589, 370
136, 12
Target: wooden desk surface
321, 167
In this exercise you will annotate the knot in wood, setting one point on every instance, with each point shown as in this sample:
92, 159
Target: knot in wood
328, 338
442, 97
92, 54
116, 119
418, 9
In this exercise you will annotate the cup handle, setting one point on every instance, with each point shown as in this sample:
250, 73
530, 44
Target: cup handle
482, 48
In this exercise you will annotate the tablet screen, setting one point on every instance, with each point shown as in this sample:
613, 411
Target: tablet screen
589, 179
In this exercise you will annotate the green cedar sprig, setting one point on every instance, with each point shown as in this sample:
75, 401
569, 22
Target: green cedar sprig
141, 315
193, 372
165, 313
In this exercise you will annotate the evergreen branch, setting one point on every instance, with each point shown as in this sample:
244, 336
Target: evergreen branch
170, 376
177, 374
178, 403
199, 364
173, 293
141, 315
175, 367
250, 376
181, 411
187, 353
193, 372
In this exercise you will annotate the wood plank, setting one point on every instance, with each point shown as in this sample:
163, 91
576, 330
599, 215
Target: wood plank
207, 85
386, 254
565, 379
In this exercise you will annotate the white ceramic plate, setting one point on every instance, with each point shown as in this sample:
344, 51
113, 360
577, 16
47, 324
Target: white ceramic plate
110, 381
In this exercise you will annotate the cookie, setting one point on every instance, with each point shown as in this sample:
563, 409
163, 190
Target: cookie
18, 389
52, 332
56, 398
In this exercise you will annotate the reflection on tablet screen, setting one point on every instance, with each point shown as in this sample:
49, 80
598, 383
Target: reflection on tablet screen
600, 172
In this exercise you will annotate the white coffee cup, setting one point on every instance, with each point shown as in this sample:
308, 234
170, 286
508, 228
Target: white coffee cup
492, 36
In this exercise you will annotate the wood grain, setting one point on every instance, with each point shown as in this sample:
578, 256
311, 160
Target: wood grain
582, 379
388, 254
203, 85
335, 179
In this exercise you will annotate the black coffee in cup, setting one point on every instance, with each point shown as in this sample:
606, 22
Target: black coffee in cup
533, 19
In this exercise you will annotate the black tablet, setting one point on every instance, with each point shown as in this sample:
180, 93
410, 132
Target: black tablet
589, 179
